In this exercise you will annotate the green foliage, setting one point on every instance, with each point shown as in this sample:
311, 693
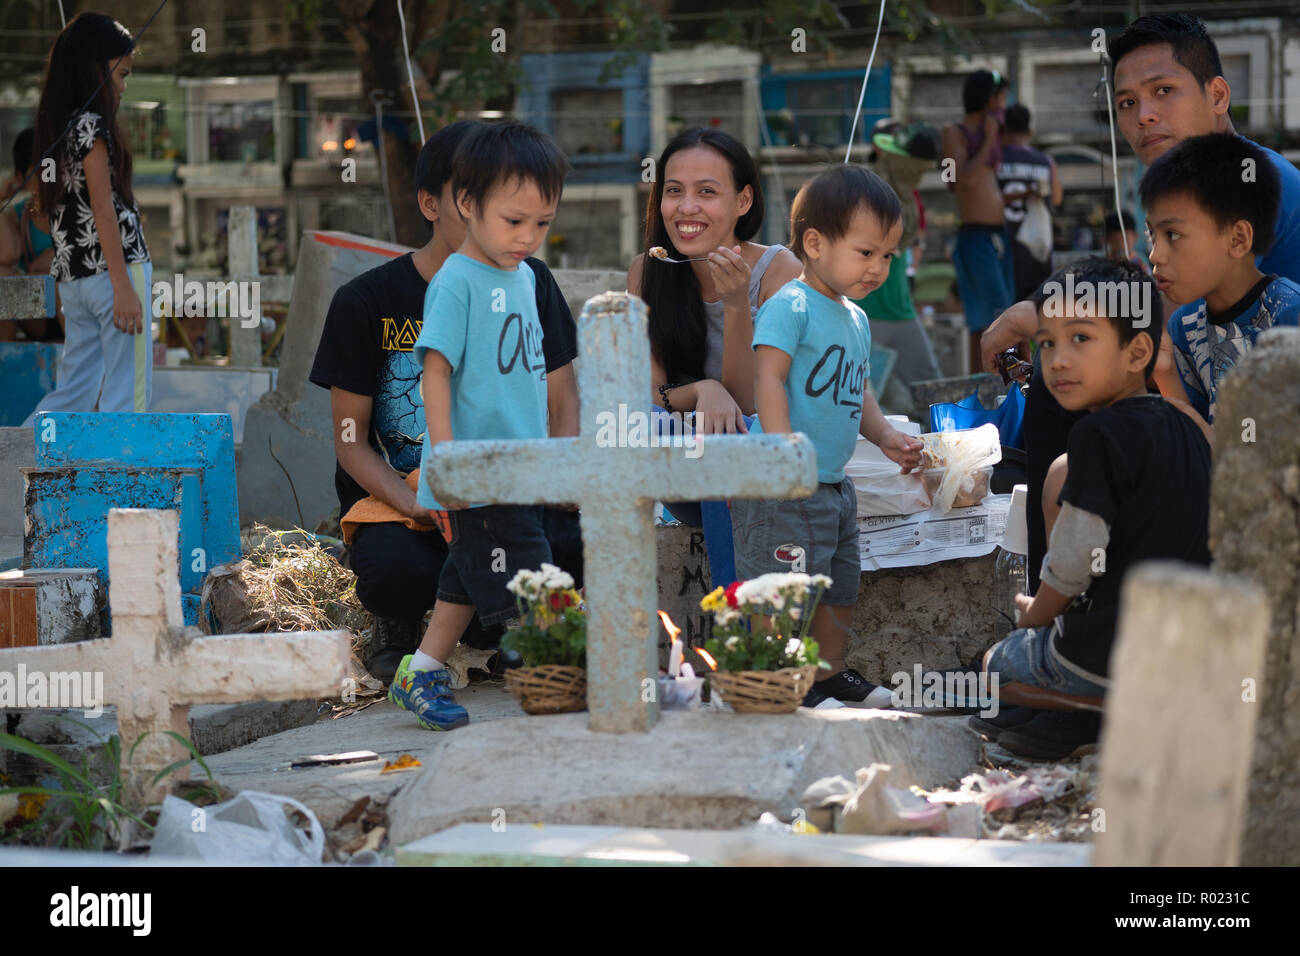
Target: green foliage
79, 812
563, 641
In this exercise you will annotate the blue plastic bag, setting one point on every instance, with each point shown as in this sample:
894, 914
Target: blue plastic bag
1009, 417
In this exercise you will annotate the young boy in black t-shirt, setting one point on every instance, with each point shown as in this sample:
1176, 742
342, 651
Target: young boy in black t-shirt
365, 359
1133, 486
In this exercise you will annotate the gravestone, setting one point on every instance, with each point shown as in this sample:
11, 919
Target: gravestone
287, 455
683, 578
241, 233
616, 489
1176, 747
153, 667
89, 462
1255, 532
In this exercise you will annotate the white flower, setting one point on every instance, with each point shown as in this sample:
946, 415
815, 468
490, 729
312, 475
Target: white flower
793, 646
731, 642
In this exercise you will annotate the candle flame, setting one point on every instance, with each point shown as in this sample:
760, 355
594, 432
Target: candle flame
707, 657
672, 629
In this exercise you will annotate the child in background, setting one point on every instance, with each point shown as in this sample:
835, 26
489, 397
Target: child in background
25, 244
812, 347
1211, 204
1116, 237
100, 259
481, 306
1133, 486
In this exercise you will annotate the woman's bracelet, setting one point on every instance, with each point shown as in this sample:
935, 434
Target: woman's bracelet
663, 396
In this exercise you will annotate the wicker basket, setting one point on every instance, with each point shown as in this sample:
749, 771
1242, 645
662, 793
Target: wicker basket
764, 692
549, 689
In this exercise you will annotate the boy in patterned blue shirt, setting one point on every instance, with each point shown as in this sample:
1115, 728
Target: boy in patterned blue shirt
812, 347
484, 377
1211, 204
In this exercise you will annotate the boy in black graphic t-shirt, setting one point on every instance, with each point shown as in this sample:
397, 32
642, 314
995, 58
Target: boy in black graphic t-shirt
1134, 486
365, 359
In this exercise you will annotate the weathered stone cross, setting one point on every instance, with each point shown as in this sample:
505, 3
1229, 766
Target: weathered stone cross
153, 668
616, 488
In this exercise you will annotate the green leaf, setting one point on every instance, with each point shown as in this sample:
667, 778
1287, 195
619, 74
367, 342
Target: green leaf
19, 745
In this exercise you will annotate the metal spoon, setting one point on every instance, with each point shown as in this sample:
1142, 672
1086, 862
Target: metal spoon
666, 258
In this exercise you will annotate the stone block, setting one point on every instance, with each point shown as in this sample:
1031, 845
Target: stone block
579, 285
26, 297
693, 769
939, 615
683, 579
17, 451
50, 607
1255, 533
216, 728
482, 844
943, 390
1176, 746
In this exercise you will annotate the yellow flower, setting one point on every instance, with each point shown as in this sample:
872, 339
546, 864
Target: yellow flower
714, 601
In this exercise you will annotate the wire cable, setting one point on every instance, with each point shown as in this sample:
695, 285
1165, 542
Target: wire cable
848, 151
410, 75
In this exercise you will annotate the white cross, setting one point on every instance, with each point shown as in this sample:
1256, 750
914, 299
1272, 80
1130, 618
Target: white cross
616, 489
153, 667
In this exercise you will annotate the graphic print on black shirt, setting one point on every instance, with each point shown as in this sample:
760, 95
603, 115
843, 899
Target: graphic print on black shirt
365, 348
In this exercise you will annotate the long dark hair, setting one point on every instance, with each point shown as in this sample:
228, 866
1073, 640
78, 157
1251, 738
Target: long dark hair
79, 65
678, 329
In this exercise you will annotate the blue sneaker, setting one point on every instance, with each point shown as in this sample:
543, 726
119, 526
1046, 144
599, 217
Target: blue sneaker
427, 694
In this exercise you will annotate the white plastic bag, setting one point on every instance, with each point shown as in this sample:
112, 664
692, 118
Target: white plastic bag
250, 829
883, 491
1035, 232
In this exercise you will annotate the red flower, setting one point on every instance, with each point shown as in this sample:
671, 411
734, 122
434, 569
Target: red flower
731, 594
557, 602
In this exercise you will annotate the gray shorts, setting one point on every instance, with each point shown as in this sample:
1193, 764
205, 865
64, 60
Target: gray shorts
817, 535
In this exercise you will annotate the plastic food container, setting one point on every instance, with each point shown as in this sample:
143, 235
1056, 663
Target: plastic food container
979, 488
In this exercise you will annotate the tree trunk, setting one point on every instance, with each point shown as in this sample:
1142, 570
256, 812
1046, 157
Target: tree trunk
373, 30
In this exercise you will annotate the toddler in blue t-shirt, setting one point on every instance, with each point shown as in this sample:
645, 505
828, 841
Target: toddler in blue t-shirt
484, 377
812, 348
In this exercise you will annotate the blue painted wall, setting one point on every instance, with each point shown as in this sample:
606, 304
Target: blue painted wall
88, 463
27, 374
545, 73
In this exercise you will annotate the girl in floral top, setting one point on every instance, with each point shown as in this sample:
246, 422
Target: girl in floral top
101, 261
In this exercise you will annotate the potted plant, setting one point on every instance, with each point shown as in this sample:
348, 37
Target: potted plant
764, 663
552, 640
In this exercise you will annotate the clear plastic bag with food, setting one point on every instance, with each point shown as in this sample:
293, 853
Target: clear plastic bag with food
965, 458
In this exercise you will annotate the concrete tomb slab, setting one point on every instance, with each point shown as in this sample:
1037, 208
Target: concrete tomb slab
693, 769
50, 607
482, 844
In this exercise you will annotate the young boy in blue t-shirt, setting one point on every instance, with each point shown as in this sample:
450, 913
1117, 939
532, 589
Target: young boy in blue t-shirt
1211, 205
811, 358
484, 377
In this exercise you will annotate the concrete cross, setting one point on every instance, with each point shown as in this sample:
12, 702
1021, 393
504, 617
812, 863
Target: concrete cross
153, 668
616, 488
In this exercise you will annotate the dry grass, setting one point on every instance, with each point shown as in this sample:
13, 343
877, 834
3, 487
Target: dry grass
287, 582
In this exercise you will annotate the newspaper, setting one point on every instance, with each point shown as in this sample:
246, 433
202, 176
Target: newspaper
927, 537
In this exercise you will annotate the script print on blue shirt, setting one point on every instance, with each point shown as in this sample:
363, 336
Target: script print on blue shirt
483, 320
829, 344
